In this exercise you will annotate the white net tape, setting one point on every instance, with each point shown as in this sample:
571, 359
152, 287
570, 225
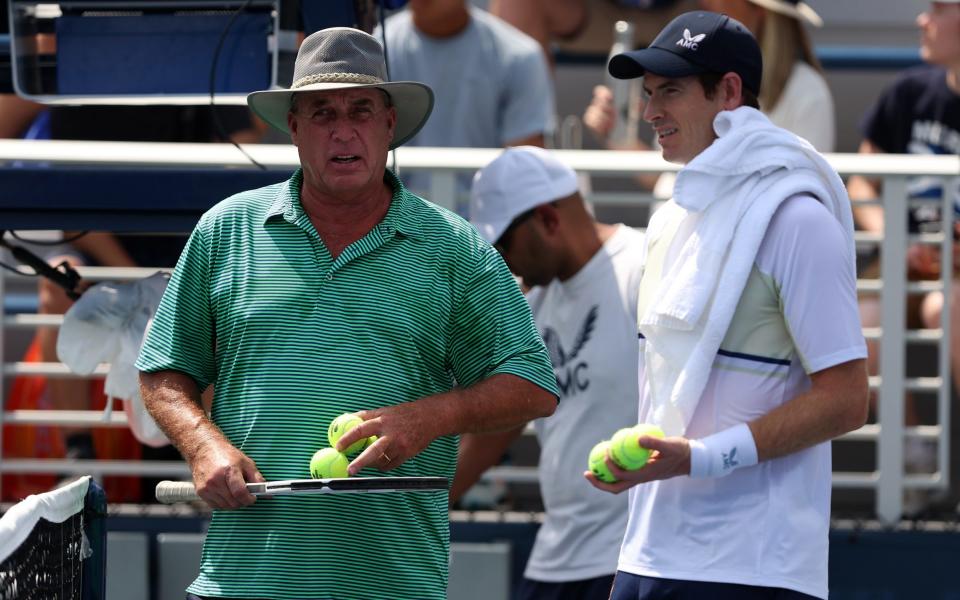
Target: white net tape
55, 506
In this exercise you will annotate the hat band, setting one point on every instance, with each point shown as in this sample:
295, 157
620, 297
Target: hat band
335, 78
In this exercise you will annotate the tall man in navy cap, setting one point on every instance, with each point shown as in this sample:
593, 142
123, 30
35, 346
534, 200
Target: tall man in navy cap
751, 353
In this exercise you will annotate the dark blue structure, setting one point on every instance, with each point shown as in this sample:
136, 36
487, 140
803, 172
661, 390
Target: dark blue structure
866, 562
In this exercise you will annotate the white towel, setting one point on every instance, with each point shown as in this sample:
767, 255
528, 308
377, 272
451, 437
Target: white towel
727, 194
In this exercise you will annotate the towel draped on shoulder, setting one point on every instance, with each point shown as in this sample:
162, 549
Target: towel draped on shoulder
725, 198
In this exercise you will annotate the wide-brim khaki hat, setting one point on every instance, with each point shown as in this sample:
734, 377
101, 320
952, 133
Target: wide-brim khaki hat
342, 58
792, 8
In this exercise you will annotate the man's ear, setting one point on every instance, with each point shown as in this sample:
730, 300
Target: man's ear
731, 91
391, 122
292, 127
549, 215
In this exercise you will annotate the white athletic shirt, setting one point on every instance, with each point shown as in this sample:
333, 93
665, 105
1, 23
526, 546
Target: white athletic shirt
589, 325
767, 524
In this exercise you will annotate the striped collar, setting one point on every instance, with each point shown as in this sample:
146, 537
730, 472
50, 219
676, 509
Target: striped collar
403, 216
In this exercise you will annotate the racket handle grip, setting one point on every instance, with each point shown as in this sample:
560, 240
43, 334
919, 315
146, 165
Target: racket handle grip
171, 492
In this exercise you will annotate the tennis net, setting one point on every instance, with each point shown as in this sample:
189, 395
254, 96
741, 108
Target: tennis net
53, 545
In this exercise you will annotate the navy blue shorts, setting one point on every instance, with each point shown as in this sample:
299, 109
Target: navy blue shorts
628, 586
597, 588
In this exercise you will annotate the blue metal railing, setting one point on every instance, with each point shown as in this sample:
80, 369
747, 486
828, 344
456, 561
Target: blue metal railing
868, 58
832, 57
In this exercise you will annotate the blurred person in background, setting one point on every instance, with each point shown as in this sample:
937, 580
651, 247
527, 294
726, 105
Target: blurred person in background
919, 113
491, 80
585, 25
794, 93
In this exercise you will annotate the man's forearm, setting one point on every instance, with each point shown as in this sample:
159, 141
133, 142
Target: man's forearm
868, 217
498, 403
105, 249
479, 452
173, 399
834, 405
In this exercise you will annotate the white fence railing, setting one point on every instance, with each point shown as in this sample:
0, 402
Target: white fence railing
444, 164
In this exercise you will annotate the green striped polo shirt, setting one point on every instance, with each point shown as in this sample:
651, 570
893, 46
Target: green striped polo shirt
291, 338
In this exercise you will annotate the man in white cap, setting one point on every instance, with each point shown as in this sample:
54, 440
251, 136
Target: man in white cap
751, 350
336, 291
583, 278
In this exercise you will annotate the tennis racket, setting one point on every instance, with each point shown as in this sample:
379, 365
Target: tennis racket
171, 492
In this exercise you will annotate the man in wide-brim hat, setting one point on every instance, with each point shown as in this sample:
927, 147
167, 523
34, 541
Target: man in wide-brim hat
361, 67
337, 291
355, 79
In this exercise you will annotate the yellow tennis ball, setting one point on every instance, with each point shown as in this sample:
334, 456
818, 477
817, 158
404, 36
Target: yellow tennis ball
597, 463
343, 424
625, 448
327, 463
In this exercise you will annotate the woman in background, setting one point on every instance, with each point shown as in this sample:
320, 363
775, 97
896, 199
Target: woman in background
793, 93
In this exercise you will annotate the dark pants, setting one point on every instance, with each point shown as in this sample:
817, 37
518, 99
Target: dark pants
628, 586
597, 588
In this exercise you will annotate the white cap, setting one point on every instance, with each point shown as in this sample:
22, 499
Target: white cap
521, 178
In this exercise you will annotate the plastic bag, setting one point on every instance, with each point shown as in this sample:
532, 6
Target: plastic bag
107, 324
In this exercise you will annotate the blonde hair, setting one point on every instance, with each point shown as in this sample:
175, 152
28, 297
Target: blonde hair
783, 42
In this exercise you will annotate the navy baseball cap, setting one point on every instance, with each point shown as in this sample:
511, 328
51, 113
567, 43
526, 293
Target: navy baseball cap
693, 43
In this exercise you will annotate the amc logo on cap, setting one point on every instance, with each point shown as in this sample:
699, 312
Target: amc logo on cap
691, 42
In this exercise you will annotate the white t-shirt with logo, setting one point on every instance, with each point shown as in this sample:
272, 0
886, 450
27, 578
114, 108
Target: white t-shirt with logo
768, 524
589, 325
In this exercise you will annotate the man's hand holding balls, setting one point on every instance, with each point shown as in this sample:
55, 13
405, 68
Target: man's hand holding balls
638, 454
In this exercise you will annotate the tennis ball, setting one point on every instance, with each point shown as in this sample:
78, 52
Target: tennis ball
343, 424
327, 463
597, 463
625, 448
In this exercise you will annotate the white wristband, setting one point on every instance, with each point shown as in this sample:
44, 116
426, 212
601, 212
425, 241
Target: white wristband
719, 454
